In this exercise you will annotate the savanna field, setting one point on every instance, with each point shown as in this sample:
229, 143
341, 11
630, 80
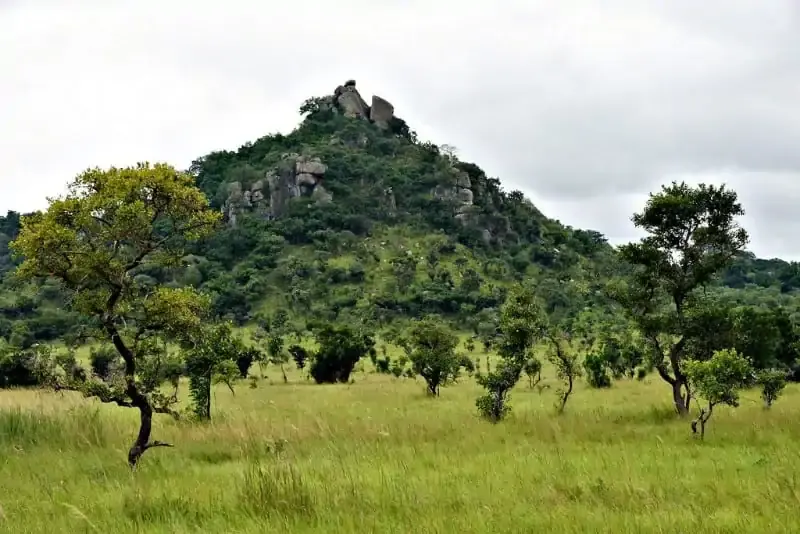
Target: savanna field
378, 455
350, 230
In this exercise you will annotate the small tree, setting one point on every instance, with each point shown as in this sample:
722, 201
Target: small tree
596, 367
245, 360
210, 357
567, 367
718, 381
533, 368
271, 334
340, 348
299, 355
433, 353
772, 382
95, 241
522, 323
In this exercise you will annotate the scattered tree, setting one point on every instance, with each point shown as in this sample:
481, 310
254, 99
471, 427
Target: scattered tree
566, 362
692, 235
533, 368
94, 241
718, 380
433, 353
522, 323
340, 348
211, 357
772, 382
245, 360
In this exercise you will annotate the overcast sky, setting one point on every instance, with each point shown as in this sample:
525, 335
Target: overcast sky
583, 105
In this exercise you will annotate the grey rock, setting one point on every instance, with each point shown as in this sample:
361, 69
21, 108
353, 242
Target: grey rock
381, 112
306, 179
310, 166
351, 103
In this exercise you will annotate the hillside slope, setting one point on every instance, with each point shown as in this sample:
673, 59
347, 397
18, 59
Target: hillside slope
351, 217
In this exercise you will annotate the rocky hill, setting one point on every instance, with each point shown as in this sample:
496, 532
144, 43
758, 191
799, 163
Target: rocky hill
351, 217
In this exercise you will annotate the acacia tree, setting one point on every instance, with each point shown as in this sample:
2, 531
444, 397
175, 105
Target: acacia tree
692, 235
94, 241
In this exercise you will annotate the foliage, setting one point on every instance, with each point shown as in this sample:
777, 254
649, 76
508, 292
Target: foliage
340, 348
772, 382
596, 367
533, 368
522, 324
433, 353
567, 364
718, 380
17, 366
245, 360
110, 227
692, 236
211, 356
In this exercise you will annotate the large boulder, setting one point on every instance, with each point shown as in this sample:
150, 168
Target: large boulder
381, 112
349, 101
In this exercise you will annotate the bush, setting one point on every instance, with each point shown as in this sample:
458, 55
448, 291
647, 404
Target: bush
340, 348
17, 368
245, 360
596, 371
433, 355
772, 382
102, 361
299, 355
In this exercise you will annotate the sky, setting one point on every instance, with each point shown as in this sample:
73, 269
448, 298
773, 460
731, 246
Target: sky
584, 106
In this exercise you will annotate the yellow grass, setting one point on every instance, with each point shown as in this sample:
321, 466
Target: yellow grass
378, 456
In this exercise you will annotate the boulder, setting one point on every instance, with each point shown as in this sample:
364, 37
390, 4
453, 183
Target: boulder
311, 166
350, 102
381, 112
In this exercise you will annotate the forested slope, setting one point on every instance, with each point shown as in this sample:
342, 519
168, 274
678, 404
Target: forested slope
350, 216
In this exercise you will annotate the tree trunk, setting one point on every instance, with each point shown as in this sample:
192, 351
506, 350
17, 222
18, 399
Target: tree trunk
681, 396
138, 400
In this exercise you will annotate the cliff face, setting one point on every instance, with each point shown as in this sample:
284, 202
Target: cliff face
294, 176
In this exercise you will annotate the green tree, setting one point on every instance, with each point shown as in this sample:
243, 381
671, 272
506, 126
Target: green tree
433, 353
522, 324
718, 380
692, 236
94, 241
340, 349
772, 382
211, 357
533, 368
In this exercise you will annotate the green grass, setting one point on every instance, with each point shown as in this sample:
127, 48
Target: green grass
378, 456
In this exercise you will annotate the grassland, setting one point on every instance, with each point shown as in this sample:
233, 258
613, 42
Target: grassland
378, 456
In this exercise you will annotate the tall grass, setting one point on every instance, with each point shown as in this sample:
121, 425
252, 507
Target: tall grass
380, 456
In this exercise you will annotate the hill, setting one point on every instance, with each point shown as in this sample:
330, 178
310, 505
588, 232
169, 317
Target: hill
352, 217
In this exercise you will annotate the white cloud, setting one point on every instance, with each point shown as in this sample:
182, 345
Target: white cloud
583, 105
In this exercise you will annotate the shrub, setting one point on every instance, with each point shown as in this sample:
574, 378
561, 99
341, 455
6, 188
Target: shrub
340, 348
102, 360
432, 353
596, 368
772, 382
17, 367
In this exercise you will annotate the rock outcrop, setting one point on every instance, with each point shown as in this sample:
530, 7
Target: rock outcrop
347, 100
458, 190
293, 177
